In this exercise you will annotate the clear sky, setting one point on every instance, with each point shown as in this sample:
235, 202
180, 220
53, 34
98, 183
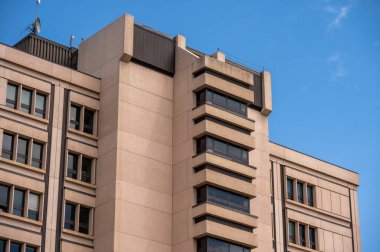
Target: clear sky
324, 56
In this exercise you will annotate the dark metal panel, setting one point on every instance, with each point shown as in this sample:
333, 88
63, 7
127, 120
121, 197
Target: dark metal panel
258, 91
153, 50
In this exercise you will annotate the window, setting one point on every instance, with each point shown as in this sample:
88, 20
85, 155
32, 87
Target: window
300, 192
15, 247
302, 234
4, 198
2, 245
221, 148
11, 96
30, 249
37, 155
86, 169
7, 149
69, 216
33, 208
310, 195
222, 101
88, 121
84, 219
290, 189
223, 198
208, 244
22, 150
312, 238
18, 202
26, 101
40, 106
75, 117
292, 232
72, 166
28, 98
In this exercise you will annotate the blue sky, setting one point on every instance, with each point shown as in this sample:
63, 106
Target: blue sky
324, 56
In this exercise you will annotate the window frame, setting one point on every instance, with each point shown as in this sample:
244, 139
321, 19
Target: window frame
77, 208
79, 171
81, 123
306, 243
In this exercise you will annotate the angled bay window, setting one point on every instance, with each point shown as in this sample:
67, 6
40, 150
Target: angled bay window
223, 198
82, 119
31, 101
80, 167
222, 101
222, 148
209, 244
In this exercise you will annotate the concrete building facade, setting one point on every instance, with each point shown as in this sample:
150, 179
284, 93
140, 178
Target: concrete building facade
136, 142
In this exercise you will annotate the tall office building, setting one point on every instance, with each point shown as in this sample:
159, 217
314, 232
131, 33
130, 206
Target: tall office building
135, 142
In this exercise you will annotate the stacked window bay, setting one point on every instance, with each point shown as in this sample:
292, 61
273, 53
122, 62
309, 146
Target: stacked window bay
224, 179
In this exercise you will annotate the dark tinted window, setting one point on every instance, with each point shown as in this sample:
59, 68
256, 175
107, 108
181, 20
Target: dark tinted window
84, 219
292, 232
33, 208
300, 192
310, 195
86, 169
11, 96
4, 198
15, 247
201, 97
302, 234
2, 245
22, 150
26, 100
312, 238
88, 126
72, 166
69, 216
18, 204
290, 189
30, 249
75, 117
37, 155
208, 244
40, 106
7, 149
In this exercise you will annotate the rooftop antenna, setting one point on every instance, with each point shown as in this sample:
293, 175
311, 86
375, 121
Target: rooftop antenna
72, 37
35, 27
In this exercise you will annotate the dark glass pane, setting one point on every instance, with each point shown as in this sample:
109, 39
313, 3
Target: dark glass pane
244, 156
26, 100
18, 204
30, 249
289, 187
69, 216
74, 117
201, 194
15, 247
310, 196
201, 145
2, 245
7, 149
312, 238
22, 150
236, 248
86, 169
220, 246
201, 97
302, 234
202, 245
37, 155
84, 220
40, 106
11, 96
72, 166
4, 198
227, 199
88, 126
219, 99
233, 105
34, 205
300, 192
220, 147
243, 109
234, 151
292, 232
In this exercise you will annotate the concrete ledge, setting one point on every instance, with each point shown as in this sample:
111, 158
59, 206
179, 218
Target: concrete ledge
224, 164
223, 86
224, 213
224, 232
267, 94
223, 181
237, 120
223, 68
224, 133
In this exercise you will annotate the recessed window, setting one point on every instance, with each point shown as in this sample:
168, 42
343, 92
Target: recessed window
75, 117
30, 249
292, 231
11, 96
310, 195
88, 126
312, 239
84, 219
223, 198
33, 208
4, 198
72, 166
40, 106
80, 167
290, 188
83, 123
69, 216
86, 169
300, 192
302, 234
8, 143
206, 244
222, 101
18, 202
303, 231
26, 101
83, 224
37, 155
2, 245
15, 247
22, 150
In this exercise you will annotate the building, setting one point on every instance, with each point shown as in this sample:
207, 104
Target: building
136, 142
